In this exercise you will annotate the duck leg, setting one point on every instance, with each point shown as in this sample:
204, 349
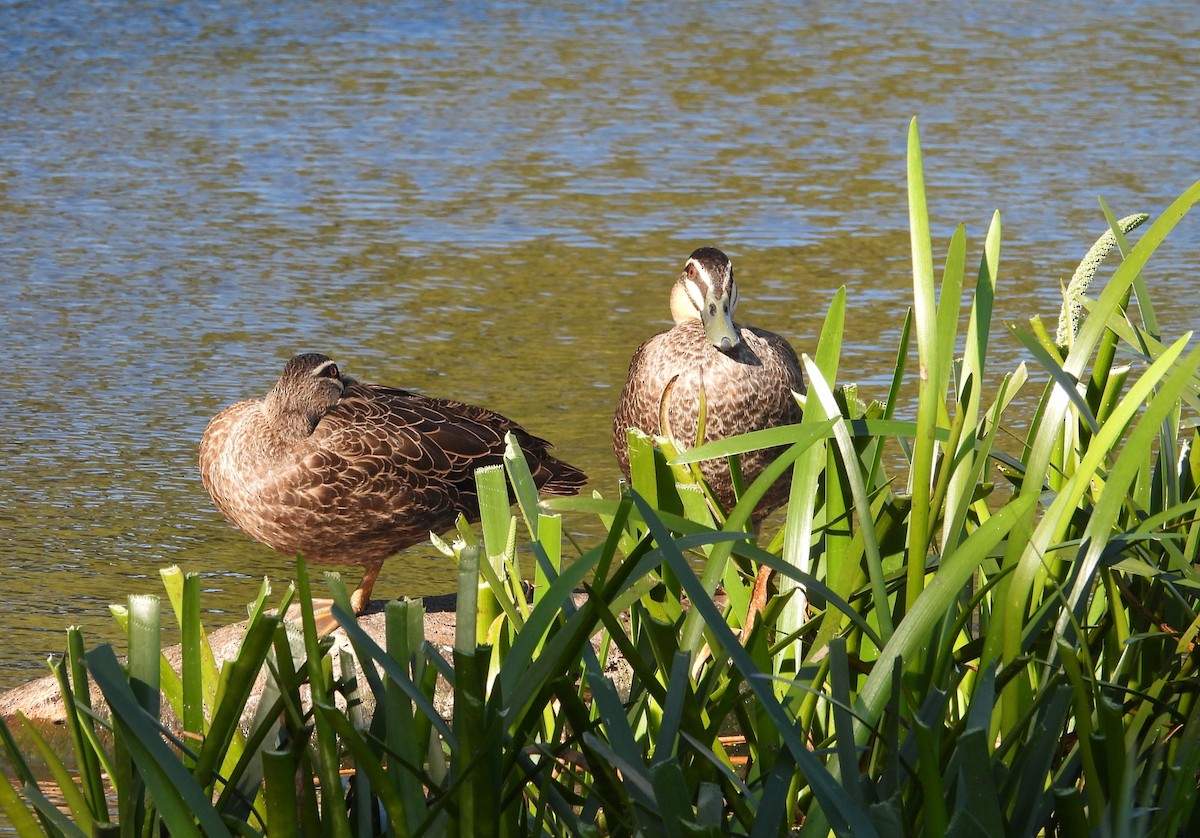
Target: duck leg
360, 600
758, 600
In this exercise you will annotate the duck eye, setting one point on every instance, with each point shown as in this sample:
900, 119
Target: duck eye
331, 371
712, 309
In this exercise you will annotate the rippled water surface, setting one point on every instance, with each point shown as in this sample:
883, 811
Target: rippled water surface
489, 201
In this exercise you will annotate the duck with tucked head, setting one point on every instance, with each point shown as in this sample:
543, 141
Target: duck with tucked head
747, 376
343, 472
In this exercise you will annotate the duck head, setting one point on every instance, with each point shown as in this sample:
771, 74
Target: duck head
310, 384
705, 291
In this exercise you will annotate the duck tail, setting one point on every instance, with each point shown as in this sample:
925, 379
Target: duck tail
552, 475
555, 477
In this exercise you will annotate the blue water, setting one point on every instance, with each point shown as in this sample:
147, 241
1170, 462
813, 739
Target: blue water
487, 201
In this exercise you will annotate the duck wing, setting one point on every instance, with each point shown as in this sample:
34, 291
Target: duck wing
433, 445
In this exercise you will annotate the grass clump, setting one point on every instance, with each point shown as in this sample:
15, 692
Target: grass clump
943, 656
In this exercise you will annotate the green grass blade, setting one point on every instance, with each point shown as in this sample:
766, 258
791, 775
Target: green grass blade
237, 681
843, 720
967, 466
496, 522
672, 806
935, 601
181, 803
838, 806
144, 650
367, 761
368, 650
550, 539
929, 775
405, 632
931, 401
1145, 307
893, 396
862, 505
521, 664
1017, 588
54, 821
87, 761
829, 342
801, 521
980, 798
466, 629
192, 663
948, 313
476, 804
806, 473
17, 764
1052, 529
282, 806
1123, 472
72, 795
197, 665
335, 820
15, 810
1050, 364
678, 693
141, 624
800, 435
524, 488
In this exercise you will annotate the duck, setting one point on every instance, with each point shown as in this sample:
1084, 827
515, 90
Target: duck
346, 472
748, 377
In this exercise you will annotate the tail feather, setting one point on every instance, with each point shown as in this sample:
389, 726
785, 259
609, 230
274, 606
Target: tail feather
552, 475
555, 477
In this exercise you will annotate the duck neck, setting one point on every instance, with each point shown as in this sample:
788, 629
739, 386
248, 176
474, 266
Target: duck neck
288, 422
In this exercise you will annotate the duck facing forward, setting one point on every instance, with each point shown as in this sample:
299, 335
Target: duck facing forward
349, 473
748, 376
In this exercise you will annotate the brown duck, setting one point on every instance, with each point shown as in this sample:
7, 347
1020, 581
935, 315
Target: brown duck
344, 472
747, 375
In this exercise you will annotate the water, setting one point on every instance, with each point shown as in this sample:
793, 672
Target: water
489, 201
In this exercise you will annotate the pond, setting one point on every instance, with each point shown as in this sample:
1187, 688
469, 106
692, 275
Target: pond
489, 202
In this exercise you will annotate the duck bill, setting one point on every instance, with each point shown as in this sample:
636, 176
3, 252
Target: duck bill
721, 332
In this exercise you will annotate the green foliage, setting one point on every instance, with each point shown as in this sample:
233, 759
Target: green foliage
942, 656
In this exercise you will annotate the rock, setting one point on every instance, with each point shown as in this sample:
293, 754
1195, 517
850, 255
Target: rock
40, 701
